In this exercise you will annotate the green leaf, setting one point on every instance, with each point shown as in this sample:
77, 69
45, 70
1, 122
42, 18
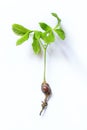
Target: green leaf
37, 35
36, 46
55, 15
23, 39
48, 37
45, 27
19, 29
60, 33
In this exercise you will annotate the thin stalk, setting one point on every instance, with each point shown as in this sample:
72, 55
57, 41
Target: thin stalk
44, 76
55, 26
44, 46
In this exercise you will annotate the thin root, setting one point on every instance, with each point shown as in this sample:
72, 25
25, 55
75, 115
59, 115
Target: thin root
44, 104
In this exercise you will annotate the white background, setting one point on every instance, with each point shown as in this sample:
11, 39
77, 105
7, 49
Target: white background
21, 72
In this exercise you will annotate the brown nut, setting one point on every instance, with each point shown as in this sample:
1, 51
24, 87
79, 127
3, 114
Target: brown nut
46, 88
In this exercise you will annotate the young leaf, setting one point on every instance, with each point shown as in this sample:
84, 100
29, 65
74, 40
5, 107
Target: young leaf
23, 39
55, 15
45, 27
19, 29
60, 33
36, 46
37, 35
48, 37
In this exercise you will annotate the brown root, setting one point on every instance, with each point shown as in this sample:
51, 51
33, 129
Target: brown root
44, 104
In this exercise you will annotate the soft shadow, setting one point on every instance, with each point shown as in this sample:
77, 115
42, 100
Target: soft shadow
65, 50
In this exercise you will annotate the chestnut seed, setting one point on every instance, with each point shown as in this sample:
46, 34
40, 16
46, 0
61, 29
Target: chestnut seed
46, 88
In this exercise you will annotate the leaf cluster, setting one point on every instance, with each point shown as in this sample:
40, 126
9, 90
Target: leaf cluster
47, 35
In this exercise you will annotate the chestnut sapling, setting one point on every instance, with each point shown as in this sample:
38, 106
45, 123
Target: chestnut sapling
41, 40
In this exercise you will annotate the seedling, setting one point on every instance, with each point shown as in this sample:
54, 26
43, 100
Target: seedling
41, 40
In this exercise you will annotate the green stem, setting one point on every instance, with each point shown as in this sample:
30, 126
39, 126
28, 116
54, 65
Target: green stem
58, 25
44, 46
44, 76
55, 26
